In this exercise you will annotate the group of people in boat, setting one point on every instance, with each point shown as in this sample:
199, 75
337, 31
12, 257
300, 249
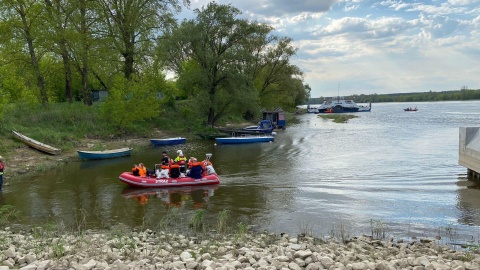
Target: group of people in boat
174, 168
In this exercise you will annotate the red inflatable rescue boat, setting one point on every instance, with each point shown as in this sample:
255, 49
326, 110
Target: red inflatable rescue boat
151, 181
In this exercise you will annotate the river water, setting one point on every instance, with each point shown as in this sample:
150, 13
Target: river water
396, 170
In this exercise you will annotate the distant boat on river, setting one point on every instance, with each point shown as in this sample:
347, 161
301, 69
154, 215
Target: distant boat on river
339, 106
410, 109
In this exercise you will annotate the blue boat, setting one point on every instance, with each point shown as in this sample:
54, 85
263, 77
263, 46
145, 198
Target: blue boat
168, 141
244, 139
264, 126
121, 152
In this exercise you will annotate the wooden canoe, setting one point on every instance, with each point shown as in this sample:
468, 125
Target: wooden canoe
36, 144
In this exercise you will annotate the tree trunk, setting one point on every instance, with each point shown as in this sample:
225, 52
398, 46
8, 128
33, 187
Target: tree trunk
67, 69
211, 117
33, 57
87, 100
129, 59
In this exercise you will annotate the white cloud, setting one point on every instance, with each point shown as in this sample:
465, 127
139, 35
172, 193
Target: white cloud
462, 2
387, 46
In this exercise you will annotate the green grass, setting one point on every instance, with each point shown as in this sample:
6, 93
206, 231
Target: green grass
338, 118
65, 125
7, 214
222, 221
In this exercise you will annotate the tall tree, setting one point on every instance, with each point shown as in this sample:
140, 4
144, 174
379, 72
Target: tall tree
133, 24
59, 14
23, 19
84, 52
209, 55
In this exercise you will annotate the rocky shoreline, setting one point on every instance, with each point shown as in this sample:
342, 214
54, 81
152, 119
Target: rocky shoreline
148, 249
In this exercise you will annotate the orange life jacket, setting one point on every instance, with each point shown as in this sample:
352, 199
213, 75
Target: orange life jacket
142, 170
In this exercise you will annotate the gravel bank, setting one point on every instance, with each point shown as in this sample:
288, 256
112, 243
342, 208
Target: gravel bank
149, 249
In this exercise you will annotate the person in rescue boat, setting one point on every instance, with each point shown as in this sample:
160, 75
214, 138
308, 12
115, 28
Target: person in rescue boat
140, 169
196, 171
135, 170
181, 160
165, 159
207, 167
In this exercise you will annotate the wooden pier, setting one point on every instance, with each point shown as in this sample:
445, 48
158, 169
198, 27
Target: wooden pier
469, 151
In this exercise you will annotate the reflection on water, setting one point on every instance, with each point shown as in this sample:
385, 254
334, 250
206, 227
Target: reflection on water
397, 167
171, 197
468, 201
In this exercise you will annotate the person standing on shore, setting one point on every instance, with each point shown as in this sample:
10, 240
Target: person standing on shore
2, 167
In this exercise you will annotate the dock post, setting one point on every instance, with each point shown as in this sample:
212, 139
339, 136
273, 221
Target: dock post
469, 151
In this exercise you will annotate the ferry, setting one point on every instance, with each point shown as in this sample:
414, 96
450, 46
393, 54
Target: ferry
339, 106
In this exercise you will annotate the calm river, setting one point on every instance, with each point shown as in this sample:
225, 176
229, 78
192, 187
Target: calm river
399, 169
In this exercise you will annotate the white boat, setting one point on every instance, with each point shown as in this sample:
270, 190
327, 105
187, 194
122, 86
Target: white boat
342, 106
36, 144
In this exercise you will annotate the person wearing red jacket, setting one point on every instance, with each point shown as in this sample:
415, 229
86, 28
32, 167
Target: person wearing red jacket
2, 167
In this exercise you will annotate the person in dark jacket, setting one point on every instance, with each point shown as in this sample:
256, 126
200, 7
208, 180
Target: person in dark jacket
165, 159
196, 170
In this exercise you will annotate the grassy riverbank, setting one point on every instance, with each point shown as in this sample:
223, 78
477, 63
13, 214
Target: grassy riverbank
75, 126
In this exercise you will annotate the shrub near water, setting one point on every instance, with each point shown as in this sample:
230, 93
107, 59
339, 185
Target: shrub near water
338, 118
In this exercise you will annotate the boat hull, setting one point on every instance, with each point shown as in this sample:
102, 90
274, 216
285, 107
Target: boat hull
241, 140
168, 141
152, 182
340, 109
90, 155
36, 144
340, 106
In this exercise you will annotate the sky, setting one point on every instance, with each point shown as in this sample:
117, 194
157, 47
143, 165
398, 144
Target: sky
349, 47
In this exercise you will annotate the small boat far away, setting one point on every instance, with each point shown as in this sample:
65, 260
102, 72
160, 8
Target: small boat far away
410, 109
168, 141
121, 152
36, 144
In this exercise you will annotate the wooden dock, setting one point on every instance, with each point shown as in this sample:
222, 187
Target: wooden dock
469, 151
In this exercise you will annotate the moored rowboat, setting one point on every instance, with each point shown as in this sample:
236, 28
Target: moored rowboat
121, 152
36, 144
168, 141
244, 139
